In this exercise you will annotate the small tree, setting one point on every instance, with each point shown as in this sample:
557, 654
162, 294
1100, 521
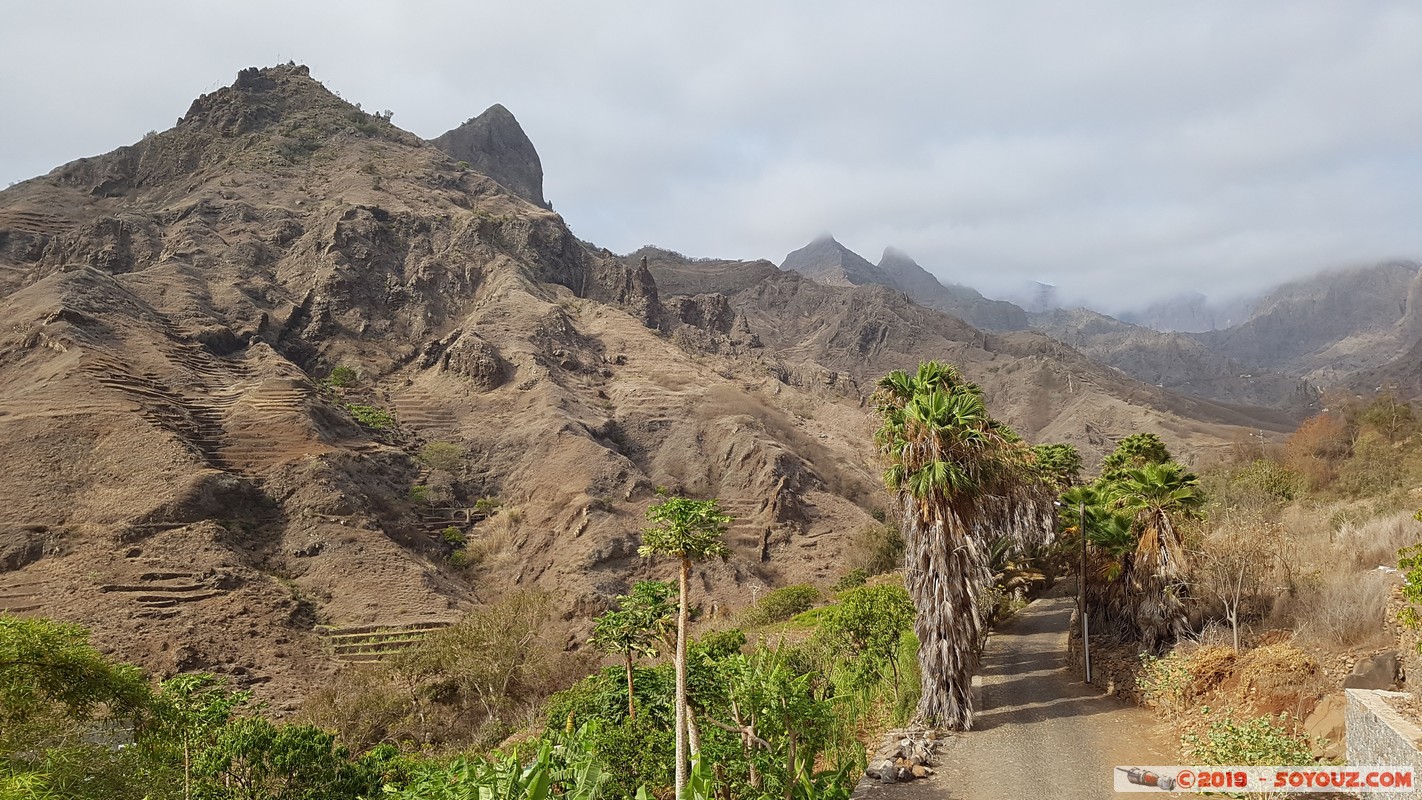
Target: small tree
687, 530
443, 456
190, 712
1233, 564
636, 627
867, 626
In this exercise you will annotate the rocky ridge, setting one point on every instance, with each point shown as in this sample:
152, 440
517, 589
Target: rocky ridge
181, 477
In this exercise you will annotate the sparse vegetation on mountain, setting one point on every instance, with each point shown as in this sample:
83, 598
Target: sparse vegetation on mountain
781, 604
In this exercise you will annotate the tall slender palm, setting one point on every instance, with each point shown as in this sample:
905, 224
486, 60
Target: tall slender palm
688, 530
962, 480
1157, 495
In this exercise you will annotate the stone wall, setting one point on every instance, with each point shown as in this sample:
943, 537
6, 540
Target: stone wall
1379, 736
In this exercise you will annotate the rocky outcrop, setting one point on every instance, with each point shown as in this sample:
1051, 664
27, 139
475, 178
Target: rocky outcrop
826, 261
477, 361
1326, 326
494, 144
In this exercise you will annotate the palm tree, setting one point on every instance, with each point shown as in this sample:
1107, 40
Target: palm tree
1155, 495
962, 479
688, 530
634, 629
1111, 540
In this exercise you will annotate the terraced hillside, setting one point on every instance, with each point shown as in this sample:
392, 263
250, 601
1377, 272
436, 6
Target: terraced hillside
180, 476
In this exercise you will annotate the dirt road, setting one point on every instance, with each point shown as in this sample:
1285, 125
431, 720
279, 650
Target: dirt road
1039, 732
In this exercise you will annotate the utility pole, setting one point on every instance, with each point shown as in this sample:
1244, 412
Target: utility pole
1081, 591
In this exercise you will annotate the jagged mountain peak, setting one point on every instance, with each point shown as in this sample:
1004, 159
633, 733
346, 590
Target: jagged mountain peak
827, 261
495, 144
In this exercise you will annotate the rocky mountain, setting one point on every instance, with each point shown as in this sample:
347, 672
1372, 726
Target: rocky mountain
841, 339
826, 261
495, 145
183, 476
1175, 361
1329, 326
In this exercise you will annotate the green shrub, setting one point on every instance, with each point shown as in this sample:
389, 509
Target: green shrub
419, 493
461, 559
851, 579
716, 645
865, 628
487, 506
377, 419
1270, 478
1410, 562
638, 752
1262, 741
444, 456
783, 603
343, 377
453, 536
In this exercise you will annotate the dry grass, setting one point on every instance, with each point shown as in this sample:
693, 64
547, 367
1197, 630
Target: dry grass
1336, 596
1343, 609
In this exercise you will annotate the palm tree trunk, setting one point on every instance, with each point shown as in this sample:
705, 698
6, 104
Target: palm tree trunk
946, 574
631, 705
682, 619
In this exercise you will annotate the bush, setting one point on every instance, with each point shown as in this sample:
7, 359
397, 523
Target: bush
377, 419
343, 377
1270, 478
444, 456
488, 506
716, 645
855, 577
782, 604
1410, 562
877, 549
420, 494
639, 752
1262, 741
453, 536
1342, 609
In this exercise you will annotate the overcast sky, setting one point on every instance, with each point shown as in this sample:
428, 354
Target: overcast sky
1124, 150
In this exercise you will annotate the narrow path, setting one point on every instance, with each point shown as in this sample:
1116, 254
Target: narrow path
1039, 731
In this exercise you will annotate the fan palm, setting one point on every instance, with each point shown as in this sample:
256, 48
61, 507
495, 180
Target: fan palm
1156, 495
962, 479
